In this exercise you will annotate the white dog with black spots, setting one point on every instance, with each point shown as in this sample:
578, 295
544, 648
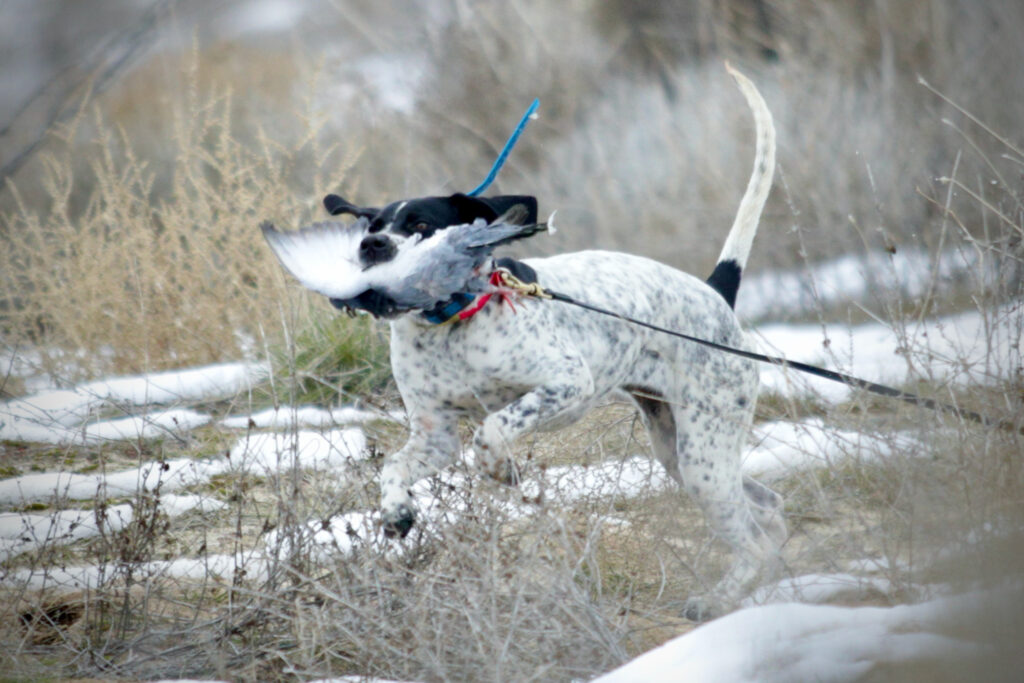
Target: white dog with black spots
545, 364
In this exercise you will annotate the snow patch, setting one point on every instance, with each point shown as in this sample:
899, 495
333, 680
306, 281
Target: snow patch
819, 588
22, 531
794, 642
148, 426
269, 453
958, 349
71, 415
259, 454
260, 17
786, 446
302, 416
68, 579
340, 535
856, 277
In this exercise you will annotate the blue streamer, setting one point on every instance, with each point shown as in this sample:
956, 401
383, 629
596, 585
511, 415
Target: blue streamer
503, 156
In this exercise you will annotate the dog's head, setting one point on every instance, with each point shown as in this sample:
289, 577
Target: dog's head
422, 217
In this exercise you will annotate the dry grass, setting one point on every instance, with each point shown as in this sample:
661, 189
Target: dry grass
133, 260
135, 266
139, 284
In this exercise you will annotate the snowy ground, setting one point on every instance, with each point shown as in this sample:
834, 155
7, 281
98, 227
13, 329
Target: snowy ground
803, 642
870, 279
54, 508
151, 407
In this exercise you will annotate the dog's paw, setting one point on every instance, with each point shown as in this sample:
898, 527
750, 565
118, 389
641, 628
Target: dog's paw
398, 522
496, 462
505, 472
501, 468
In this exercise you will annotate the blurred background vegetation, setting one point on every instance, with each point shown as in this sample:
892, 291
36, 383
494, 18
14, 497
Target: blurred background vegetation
142, 141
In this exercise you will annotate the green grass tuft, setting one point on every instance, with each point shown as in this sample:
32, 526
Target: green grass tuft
334, 358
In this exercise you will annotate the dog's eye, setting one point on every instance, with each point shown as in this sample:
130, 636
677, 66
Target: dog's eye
420, 227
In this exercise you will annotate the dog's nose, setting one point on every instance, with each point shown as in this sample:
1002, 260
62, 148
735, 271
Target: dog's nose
376, 249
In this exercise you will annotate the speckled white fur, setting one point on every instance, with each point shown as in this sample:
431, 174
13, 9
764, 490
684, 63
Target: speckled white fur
547, 363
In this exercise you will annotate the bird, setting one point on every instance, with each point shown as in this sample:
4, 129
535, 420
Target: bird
424, 272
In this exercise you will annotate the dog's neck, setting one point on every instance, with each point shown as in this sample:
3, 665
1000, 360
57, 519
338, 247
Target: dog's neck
464, 305
461, 306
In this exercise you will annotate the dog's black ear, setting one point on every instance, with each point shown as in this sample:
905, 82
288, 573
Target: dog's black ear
336, 206
489, 208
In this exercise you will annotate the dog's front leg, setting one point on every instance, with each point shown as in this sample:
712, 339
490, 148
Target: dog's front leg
433, 442
560, 396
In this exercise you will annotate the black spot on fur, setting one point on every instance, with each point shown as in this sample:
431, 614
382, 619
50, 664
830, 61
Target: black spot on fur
399, 528
725, 279
523, 272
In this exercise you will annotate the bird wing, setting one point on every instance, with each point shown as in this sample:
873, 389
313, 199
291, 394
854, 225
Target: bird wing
490, 236
324, 256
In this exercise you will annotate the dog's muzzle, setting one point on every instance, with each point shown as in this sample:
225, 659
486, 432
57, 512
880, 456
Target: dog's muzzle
376, 249
373, 302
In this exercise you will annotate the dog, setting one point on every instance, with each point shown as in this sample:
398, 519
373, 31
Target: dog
545, 364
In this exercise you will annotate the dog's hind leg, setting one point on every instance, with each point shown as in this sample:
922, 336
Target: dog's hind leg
747, 515
766, 506
744, 515
433, 443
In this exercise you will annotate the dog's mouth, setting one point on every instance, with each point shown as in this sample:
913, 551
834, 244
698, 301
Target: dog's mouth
373, 302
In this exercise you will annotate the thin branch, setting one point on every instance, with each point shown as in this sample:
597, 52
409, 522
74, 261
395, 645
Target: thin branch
972, 117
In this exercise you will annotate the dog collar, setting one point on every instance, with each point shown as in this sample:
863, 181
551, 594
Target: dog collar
463, 305
507, 275
456, 308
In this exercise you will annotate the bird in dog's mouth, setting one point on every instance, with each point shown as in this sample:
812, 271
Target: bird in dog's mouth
360, 269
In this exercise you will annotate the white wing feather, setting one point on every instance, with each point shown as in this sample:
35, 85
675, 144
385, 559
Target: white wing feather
324, 257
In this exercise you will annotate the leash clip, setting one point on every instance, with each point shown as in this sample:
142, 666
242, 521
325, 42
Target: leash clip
465, 306
503, 277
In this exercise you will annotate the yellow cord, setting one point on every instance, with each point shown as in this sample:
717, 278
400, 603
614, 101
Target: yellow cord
510, 281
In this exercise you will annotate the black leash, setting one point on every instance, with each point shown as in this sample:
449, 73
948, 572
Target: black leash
840, 377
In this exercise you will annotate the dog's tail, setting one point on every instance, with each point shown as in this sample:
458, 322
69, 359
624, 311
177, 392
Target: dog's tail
725, 279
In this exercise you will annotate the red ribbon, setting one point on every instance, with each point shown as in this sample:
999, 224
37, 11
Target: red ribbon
481, 301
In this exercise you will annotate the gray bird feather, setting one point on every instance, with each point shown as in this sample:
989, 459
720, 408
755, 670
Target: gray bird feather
324, 257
